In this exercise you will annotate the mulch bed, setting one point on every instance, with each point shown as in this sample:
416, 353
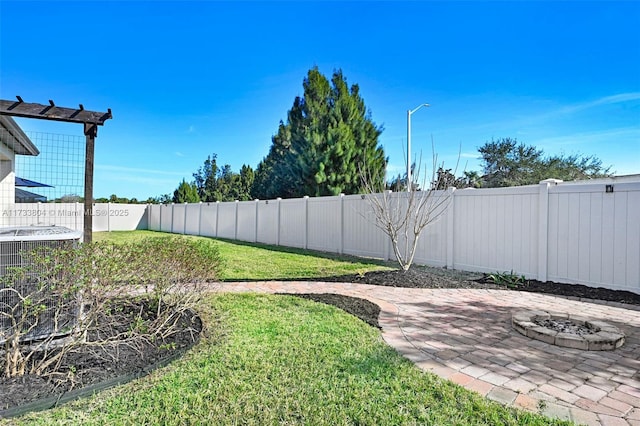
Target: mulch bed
90, 366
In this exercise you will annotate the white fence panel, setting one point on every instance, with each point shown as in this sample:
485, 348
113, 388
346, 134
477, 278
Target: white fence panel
361, 235
192, 219
166, 217
293, 222
209, 220
179, 216
497, 230
268, 221
324, 220
227, 220
119, 217
594, 236
154, 217
432, 243
247, 221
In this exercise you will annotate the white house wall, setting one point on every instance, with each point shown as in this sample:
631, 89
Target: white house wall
7, 183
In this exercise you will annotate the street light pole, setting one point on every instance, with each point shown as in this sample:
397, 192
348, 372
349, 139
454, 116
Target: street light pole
409, 112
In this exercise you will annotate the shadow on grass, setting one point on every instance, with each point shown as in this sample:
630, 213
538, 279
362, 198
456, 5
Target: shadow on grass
308, 252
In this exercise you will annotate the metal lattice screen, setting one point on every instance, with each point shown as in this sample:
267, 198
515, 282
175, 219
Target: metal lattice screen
42, 185
58, 315
41, 179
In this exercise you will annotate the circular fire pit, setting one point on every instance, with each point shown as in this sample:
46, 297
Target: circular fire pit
568, 330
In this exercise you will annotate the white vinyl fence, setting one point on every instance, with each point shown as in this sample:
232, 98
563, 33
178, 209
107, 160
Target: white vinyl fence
106, 216
565, 232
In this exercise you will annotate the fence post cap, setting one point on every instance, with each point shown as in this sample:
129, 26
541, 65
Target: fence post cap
551, 180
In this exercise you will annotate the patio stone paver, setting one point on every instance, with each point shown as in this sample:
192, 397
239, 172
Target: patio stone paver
465, 335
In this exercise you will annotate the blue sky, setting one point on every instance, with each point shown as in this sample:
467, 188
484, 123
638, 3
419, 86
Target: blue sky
185, 79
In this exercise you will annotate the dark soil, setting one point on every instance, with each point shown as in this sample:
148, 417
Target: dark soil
89, 366
361, 308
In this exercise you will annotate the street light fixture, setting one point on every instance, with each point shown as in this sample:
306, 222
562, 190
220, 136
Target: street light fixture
409, 112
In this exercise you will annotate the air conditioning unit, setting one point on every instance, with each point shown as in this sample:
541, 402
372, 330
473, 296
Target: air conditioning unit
16, 244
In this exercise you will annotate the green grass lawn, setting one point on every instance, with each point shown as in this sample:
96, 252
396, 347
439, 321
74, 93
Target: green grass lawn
244, 261
274, 359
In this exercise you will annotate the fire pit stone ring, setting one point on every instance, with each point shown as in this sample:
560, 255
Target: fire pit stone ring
568, 330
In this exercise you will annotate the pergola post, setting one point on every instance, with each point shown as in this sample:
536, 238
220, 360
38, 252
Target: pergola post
90, 132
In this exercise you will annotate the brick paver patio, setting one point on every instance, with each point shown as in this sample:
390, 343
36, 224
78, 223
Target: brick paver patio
466, 336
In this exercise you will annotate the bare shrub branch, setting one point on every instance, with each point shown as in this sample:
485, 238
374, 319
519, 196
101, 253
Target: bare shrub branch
403, 216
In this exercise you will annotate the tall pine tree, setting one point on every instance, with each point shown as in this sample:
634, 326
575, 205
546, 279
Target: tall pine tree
186, 193
328, 138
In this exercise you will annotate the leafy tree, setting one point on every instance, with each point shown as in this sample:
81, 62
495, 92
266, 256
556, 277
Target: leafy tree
446, 178
70, 198
575, 167
472, 179
328, 136
247, 177
186, 193
124, 200
509, 163
206, 179
161, 199
214, 183
506, 162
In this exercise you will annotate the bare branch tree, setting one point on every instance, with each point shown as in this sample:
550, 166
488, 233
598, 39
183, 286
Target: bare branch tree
403, 216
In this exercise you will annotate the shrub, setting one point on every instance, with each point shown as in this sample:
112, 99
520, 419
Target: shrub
89, 291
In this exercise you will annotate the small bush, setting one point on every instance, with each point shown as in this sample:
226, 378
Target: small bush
83, 291
508, 279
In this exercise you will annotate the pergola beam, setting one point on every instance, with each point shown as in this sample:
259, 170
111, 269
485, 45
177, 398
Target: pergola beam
19, 108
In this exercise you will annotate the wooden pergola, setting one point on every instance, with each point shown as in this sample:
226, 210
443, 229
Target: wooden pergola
90, 119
